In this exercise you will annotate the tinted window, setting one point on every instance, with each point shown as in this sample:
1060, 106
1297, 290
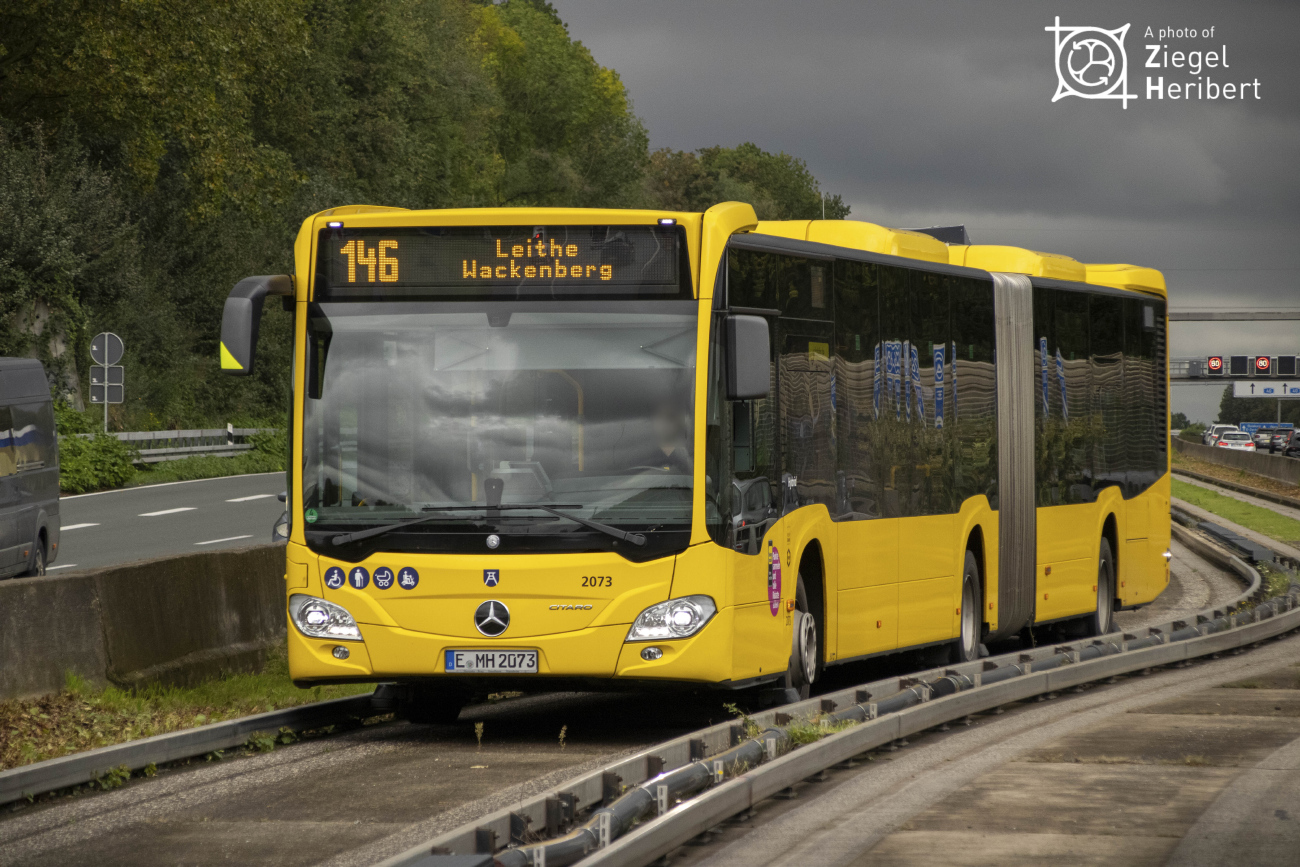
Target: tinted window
929, 339
974, 389
862, 476
1106, 352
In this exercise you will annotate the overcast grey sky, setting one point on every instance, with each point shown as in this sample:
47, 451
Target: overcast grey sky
923, 112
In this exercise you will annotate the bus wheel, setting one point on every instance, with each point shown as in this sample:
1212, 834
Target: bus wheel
967, 646
1103, 621
806, 649
426, 704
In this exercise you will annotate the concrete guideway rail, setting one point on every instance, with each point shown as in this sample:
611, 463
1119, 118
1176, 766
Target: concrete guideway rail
79, 768
905, 707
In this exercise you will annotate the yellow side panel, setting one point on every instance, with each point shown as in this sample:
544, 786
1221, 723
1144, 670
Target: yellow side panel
761, 641
1070, 589
295, 576
926, 611
872, 238
1067, 548
927, 547
1134, 572
1062, 533
1137, 517
868, 620
868, 553
1017, 260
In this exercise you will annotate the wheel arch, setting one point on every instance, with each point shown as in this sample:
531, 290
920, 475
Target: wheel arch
975, 544
1110, 532
812, 568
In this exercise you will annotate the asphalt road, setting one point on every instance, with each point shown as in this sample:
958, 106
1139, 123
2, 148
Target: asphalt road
121, 526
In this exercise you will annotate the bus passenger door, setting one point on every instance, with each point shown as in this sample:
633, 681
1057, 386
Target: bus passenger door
761, 642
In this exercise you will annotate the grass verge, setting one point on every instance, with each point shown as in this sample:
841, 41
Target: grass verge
1232, 474
82, 718
1256, 518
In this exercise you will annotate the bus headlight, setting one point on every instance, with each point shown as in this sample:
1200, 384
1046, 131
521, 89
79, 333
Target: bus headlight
676, 618
319, 618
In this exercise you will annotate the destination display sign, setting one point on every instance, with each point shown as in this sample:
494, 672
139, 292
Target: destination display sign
515, 261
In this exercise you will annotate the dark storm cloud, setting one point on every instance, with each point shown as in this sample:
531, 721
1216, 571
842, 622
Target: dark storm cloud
915, 104
930, 112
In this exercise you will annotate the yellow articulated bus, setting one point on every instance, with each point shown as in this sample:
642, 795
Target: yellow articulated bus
604, 447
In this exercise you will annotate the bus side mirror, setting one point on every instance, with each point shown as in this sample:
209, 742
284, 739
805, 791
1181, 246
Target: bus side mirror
749, 358
241, 318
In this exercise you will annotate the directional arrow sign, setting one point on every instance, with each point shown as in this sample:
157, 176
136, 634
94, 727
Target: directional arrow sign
1266, 389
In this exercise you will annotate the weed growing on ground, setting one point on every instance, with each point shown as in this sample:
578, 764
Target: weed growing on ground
83, 716
1276, 581
564, 730
113, 778
807, 731
751, 727
478, 733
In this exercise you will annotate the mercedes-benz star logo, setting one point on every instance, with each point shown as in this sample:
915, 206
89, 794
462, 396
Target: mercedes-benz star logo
492, 618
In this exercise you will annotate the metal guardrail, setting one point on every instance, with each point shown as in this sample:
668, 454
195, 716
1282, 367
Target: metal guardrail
970, 689
78, 768
156, 446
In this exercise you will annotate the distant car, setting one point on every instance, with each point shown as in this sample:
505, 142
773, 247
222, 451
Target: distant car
1278, 441
1235, 439
1263, 436
1291, 446
1215, 431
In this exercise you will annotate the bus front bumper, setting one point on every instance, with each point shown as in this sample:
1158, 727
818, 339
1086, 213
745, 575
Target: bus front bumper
389, 653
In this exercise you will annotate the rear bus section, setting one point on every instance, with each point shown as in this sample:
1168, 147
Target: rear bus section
604, 448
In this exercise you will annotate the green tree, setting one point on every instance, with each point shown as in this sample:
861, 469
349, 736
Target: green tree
779, 186
565, 131
68, 252
1234, 410
144, 78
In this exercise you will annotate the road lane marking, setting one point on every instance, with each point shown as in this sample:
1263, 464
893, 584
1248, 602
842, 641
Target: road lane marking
74, 527
167, 512
246, 499
167, 484
227, 539
64, 566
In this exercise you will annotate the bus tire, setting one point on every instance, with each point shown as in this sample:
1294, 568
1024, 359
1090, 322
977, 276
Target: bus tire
1103, 619
805, 649
967, 646
425, 704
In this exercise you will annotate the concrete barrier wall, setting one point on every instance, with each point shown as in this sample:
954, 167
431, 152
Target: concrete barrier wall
1261, 464
174, 620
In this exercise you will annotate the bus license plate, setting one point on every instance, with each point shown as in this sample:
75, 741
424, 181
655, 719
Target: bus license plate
480, 661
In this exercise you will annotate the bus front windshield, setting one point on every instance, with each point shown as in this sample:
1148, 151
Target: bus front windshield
414, 409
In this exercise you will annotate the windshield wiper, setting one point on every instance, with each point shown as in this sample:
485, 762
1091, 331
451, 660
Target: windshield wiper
622, 535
